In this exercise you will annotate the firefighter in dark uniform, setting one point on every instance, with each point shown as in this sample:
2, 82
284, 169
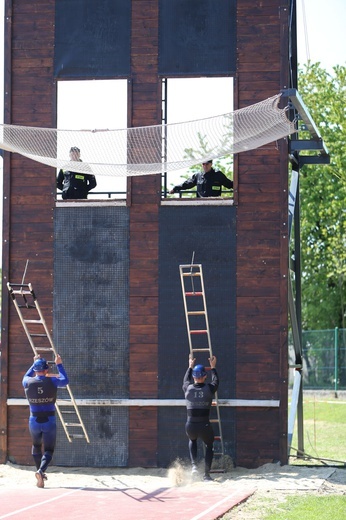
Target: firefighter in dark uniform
75, 185
209, 182
198, 397
41, 391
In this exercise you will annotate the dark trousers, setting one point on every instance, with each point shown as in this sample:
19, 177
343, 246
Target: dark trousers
42, 431
203, 431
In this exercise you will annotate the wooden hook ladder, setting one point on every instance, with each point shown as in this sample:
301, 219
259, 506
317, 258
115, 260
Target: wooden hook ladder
69, 415
195, 306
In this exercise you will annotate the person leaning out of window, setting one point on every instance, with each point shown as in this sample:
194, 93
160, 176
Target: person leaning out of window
209, 182
75, 185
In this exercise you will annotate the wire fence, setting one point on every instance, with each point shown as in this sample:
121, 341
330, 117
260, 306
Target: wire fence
324, 359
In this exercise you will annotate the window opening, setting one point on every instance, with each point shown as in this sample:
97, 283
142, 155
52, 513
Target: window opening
189, 99
90, 105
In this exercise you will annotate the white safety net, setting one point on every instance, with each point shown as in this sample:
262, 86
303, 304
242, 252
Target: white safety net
152, 149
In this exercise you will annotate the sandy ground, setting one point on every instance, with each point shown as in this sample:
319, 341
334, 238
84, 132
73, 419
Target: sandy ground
270, 484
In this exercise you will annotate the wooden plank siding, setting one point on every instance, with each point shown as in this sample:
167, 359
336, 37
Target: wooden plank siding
29, 188
261, 244
144, 194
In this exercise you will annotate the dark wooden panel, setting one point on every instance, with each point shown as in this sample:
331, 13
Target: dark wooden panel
259, 228
260, 288
247, 388
251, 357
144, 195
255, 173
256, 306
19, 441
261, 225
251, 256
257, 156
265, 342
144, 383
143, 437
258, 325
142, 337
143, 263
261, 243
144, 306
257, 196
259, 261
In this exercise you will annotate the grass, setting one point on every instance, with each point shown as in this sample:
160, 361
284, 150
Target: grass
324, 428
310, 508
324, 438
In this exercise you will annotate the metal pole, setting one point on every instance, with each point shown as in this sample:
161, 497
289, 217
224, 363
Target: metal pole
297, 255
336, 369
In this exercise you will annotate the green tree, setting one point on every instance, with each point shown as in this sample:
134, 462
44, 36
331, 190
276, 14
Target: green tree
323, 197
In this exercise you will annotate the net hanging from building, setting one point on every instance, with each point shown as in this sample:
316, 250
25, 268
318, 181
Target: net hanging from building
152, 149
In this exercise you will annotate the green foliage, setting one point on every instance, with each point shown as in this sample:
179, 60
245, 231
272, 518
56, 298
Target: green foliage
225, 163
323, 194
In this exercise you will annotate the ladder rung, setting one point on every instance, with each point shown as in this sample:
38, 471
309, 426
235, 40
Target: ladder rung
201, 350
198, 332
11, 284
192, 274
196, 313
214, 420
217, 438
75, 419
193, 294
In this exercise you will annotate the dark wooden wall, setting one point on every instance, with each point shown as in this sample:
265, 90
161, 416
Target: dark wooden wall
262, 246
29, 190
144, 198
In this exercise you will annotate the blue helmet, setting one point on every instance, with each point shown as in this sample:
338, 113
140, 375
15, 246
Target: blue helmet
198, 371
40, 364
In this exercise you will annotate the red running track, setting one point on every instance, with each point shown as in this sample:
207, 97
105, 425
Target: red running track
176, 503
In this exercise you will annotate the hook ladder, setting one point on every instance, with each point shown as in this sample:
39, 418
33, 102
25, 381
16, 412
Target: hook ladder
69, 415
195, 306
